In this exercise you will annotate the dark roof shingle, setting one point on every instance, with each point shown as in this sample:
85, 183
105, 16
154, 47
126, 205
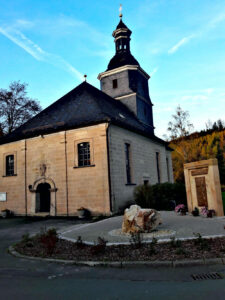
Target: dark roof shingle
85, 105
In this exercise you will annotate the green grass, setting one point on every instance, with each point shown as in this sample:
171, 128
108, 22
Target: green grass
223, 197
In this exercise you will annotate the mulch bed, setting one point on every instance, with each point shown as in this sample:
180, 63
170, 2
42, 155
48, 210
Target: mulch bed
49, 247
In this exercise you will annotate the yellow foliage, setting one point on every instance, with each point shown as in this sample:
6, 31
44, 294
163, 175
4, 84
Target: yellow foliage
195, 149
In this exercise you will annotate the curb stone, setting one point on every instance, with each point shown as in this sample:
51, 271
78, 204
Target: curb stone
122, 264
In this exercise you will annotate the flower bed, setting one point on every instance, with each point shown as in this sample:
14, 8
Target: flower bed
49, 245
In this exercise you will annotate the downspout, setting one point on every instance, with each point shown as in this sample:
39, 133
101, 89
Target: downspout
67, 204
25, 174
109, 173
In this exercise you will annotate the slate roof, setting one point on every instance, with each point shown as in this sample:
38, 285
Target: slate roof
121, 25
122, 59
85, 105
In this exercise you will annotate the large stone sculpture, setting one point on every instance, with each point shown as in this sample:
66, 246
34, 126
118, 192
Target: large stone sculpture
137, 219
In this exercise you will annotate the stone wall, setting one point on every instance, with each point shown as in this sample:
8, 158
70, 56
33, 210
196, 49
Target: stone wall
14, 186
71, 187
143, 163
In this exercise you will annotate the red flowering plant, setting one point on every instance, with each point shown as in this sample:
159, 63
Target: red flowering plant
181, 209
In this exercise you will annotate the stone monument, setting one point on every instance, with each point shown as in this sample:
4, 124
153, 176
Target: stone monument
203, 185
137, 219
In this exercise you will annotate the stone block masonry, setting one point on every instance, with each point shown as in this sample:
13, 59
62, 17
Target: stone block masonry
52, 159
142, 160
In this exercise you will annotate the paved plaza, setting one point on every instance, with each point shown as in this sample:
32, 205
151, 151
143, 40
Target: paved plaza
173, 225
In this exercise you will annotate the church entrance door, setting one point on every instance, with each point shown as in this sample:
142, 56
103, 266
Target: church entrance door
43, 197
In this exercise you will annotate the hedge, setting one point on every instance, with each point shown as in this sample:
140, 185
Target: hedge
161, 196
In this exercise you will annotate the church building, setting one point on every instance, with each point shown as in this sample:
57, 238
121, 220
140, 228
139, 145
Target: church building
90, 148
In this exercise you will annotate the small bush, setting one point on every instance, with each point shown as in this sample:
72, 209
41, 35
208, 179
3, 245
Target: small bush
100, 247
26, 238
49, 239
161, 196
143, 195
152, 246
175, 243
203, 244
195, 212
79, 242
136, 239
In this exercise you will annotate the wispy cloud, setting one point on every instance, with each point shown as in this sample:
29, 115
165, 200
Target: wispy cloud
37, 52
203, 30
182, 42
194, 98
154, 71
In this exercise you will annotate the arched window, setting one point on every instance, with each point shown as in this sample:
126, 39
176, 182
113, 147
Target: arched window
9, 165
84, 158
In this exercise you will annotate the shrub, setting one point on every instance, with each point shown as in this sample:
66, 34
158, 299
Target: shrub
160, 196
100, 247
49, 239
175, 243
195, 212
143, 195
136, 239
79, 242
152, 245
25, 238
203, 244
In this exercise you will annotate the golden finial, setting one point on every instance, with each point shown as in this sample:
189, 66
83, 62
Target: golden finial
120, 10
85, 77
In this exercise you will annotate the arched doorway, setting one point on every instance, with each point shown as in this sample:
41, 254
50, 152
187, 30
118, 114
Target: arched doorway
43, 197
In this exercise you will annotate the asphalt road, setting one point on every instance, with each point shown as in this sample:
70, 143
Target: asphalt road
27, 279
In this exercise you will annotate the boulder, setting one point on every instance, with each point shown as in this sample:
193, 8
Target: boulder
137, 219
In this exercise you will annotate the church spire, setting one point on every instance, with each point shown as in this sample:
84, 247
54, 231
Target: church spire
122, 44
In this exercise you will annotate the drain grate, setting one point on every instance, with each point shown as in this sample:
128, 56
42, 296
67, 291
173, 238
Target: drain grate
205, 276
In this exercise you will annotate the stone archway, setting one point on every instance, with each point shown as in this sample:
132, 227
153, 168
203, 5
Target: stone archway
43, 199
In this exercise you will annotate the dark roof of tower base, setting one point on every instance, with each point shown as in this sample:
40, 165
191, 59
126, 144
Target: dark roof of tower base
122, 59
83, 106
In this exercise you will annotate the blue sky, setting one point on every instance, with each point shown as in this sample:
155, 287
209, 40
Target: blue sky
51, 44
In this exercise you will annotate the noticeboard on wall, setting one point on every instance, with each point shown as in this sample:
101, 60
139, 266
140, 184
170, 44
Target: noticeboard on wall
3, 196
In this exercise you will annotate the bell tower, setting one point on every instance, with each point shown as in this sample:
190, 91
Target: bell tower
125, 80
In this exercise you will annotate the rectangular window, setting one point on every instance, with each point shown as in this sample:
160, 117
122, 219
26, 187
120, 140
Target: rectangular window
127, 156
168, 169
157, 166
115, 84
9, 167
84, 158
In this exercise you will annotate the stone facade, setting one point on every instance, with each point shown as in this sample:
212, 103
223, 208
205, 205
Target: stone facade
52, 159
72, 187
143, 164
132, 90
203, 185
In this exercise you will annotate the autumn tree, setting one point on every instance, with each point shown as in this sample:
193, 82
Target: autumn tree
199, 148
180, 125
16, 107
